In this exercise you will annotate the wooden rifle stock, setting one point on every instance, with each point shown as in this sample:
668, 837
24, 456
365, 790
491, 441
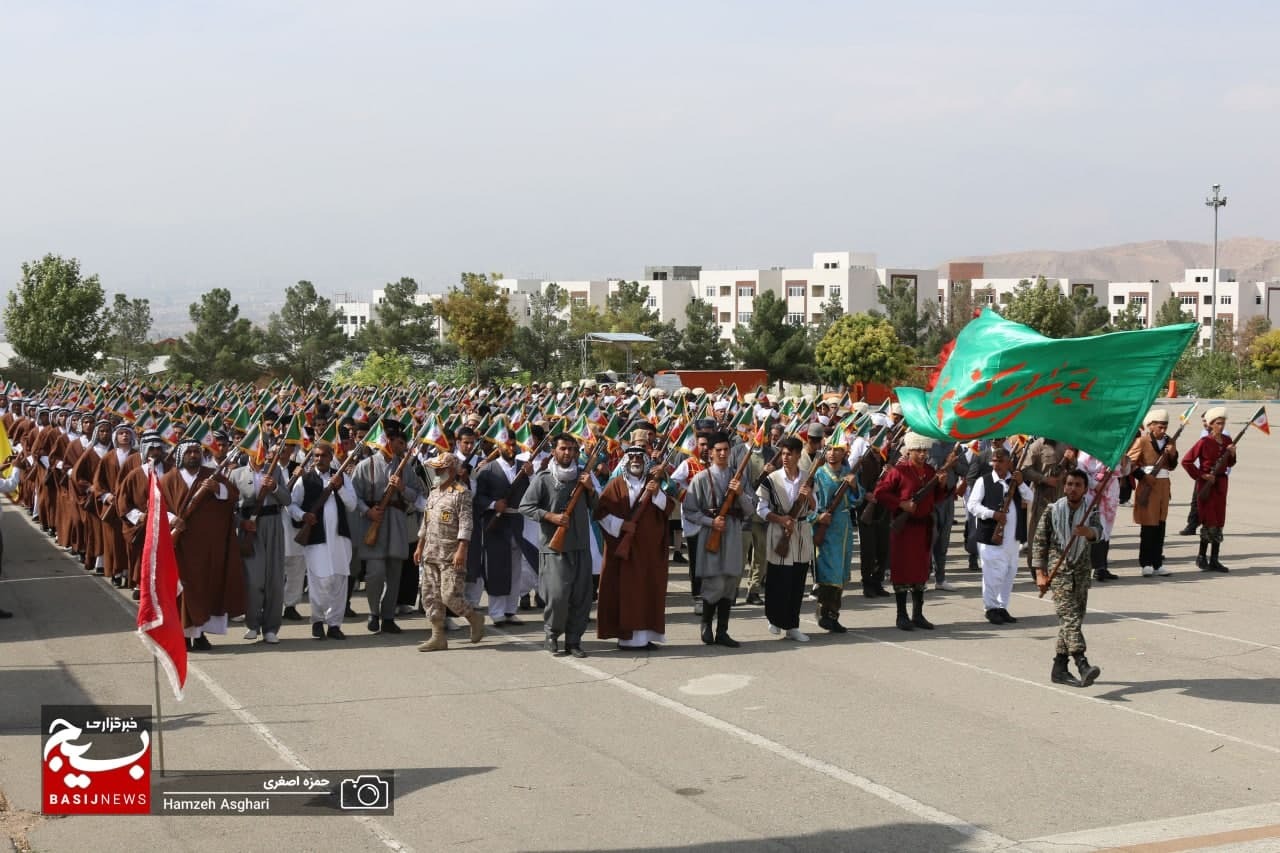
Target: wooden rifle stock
562, 531
247, 538
1220, 465
1093, 510
375, 525
820, 530
493, 522
997, 537
628, 536
303, 536
197, 495
784, 541
901, 518
714, 536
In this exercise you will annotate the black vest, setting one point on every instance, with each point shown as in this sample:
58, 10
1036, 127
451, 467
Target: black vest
312, 488
993, 499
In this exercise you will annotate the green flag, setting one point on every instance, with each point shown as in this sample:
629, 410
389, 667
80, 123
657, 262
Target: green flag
1004, 378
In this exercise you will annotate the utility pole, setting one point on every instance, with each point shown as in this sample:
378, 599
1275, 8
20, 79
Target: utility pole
1218, 200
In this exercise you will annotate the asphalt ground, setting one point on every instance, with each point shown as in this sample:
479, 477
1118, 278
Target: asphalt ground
877, 740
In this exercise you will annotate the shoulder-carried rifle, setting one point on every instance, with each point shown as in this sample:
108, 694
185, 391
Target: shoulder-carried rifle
820, 530
731, 497
901, 518
197, 495
997, 537
303, 535
628, 536
375, 525
798, 506
1224, 461
558, 538
519, 478
247, 538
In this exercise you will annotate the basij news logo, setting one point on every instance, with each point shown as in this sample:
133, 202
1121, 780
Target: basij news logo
96, 759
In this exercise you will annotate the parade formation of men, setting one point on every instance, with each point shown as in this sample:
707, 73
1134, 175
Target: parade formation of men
485, 501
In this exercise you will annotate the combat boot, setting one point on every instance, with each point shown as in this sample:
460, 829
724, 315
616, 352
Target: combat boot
708, 613
917, 610
1060, 674
904, 622
1202, 559
1214, 565
438, 639
1088, 672
722, 625
476, 618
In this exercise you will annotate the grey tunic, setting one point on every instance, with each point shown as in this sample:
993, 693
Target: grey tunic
268, 543
702, 504
398, 533
545, 495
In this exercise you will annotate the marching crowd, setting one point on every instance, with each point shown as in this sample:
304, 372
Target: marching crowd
480, 503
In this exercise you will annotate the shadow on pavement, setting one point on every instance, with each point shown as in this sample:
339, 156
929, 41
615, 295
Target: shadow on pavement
1261, 691
913, 837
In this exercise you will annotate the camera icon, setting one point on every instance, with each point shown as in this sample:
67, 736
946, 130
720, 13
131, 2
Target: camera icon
364, 792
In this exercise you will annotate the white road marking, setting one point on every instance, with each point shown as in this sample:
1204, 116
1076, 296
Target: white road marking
260, 728
1172, 626
716, 685
978, 839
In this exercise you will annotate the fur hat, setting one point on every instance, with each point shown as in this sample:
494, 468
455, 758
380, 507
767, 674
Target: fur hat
1157, 416
916, 441
1215, 413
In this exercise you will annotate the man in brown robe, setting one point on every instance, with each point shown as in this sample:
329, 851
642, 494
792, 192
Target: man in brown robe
132, 501
83, 474
633, 589
114, 465
70, 519
205, 546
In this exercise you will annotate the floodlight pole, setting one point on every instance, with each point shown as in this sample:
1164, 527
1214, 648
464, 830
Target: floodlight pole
1215, 202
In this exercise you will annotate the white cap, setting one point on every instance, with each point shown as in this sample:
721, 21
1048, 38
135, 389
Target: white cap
916, 441
1215, 413
1157, 416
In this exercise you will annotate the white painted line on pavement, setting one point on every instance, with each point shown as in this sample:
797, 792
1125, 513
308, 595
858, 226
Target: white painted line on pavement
1063, 691
46, 578
979, 839
259, 728
1172, 626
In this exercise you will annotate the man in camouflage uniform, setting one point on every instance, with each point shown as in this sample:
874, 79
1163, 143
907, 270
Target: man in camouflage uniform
1070, 514
444, 537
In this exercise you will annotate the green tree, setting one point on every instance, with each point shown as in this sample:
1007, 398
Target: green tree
1225, 340
769, 342
543, 347
403, 323
1128, 320
378, 370
1090, 316
1041, 306
1255, 327
222, 344
480, 325
54, 318
1212, 373
700, 346
127, 350
901, 301
1170, 313
306, 337
860, 347
1264, 356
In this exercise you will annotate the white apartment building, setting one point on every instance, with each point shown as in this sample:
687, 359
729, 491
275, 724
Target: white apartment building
1237, 301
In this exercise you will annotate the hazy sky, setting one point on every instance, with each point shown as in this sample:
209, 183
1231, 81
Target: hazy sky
179, 146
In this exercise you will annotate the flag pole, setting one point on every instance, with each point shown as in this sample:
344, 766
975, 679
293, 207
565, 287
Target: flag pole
155, 663
1093, 506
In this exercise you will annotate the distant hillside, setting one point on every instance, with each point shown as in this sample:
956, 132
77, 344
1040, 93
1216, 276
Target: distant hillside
1253, 259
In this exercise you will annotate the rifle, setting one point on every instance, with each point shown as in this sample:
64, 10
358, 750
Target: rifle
901, 518
820, 531
245, 537
1093, 510
493, 522
375, 525
731, 497
997, 537
624, 542
557, 539
784, 541
1142, 493
196, 496
1220, 465
303, 536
